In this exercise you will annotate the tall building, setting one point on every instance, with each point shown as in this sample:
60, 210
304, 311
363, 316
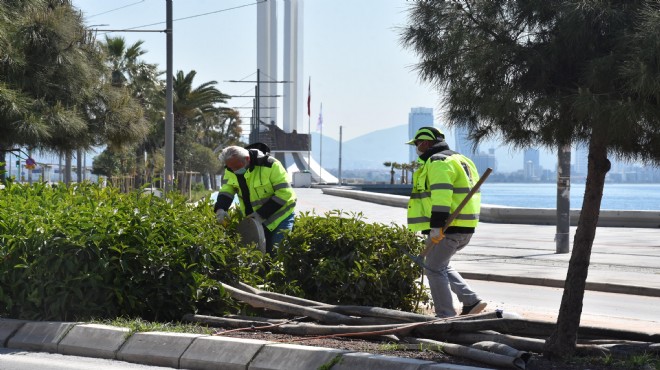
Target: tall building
483, 160
417, 118
580, 160
531, 165
463, 144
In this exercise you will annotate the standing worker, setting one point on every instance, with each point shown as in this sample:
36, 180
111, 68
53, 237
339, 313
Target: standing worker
440, 183
263, 188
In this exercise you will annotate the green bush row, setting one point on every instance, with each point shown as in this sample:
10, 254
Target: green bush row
342, 259
82, 252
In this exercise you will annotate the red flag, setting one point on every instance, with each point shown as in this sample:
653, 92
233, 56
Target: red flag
309, 98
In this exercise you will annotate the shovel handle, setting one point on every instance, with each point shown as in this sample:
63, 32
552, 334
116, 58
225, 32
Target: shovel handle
460, 207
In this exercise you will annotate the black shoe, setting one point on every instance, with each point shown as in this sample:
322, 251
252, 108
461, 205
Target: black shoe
474, 308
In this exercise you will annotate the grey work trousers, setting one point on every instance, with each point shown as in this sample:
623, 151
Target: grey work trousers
442, 277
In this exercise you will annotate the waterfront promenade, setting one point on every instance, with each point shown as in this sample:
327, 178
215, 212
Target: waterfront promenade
623, 260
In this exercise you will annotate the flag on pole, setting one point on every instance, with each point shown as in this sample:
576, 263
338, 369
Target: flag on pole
309, 98
319, 124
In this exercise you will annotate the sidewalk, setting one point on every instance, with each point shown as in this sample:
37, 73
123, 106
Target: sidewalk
623, 260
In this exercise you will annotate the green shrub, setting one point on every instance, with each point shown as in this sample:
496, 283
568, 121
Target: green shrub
82, 251
341, 259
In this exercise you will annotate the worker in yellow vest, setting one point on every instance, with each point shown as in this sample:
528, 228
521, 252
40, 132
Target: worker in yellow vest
440, 183
264, 191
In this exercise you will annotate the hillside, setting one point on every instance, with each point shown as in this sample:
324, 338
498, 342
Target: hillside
363, 152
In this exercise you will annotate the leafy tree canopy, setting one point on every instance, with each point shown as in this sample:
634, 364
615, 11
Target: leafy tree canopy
545, 72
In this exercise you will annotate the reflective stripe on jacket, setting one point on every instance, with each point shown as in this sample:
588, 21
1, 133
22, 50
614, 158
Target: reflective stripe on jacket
269, 185
440, 184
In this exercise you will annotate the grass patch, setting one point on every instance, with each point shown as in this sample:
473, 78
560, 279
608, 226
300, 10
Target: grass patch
635, 361
391, 346
331, 363
139, 325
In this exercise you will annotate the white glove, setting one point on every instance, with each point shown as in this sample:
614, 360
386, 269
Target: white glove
220, 215
436, 235
256, 216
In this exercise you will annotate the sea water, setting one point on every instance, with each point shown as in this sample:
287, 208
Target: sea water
544, 195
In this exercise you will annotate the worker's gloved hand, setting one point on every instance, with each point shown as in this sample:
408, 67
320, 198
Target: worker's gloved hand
256, 216
436, 235
220, 216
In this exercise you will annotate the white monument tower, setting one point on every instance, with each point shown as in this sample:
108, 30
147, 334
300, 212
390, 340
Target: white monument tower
286, 141
267, 59
293, 65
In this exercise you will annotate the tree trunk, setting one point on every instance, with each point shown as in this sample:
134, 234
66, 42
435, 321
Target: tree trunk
563, 199
79, 164
3, 165
206, 179
214, 182
140, 166
67, 167
563, 339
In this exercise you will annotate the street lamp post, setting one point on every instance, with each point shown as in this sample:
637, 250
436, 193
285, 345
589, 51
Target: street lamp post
169, 114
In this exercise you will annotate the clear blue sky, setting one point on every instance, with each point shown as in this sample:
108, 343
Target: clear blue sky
352, 52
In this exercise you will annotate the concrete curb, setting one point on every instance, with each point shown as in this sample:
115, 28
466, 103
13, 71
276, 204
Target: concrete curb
232, 353
557, 283
93, 340
39, 336
193, 351
156, 348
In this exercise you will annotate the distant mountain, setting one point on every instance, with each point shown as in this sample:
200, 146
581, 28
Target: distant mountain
364, 152
371, 150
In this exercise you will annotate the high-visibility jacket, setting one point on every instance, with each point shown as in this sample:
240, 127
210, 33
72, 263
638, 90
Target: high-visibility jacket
440, 184
267, 190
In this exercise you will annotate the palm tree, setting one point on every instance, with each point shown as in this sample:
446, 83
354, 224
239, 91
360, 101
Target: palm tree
194, 109
124, 61
391, 165
48, 70
17, 126
141, 80
53, 80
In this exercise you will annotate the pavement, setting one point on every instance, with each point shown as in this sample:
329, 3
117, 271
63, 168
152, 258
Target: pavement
623, 261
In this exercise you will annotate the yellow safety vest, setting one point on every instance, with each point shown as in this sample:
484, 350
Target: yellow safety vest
440, 184
267, 181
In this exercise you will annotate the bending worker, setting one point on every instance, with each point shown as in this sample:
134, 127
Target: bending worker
263, 188
440, 184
